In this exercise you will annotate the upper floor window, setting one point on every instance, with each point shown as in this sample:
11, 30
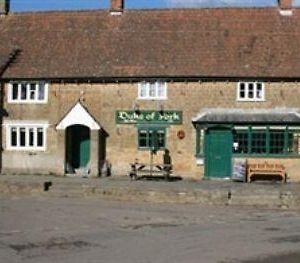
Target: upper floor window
251, 91
152, 90
28, 92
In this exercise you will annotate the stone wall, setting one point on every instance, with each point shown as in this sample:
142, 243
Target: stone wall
102, 100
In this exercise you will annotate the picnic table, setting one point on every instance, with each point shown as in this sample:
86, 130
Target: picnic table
149, 170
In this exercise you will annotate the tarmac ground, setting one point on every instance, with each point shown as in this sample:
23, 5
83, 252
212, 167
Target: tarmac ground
44, 229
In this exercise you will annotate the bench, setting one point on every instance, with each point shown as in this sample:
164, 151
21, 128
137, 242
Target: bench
146, 170
266, 170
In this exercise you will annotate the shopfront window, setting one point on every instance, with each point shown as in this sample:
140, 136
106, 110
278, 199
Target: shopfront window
266, 141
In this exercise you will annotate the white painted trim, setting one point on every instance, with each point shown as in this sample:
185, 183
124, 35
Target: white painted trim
78, 115
288, 12
43, 123
277, 127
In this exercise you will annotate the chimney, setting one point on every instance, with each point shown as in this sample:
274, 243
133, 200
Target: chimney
4, 7
285, 7
117, 7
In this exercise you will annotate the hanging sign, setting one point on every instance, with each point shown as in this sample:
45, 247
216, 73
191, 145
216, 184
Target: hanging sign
143, 117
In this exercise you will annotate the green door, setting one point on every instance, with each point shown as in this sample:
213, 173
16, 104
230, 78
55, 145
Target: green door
84, 148
78, 146
218, 151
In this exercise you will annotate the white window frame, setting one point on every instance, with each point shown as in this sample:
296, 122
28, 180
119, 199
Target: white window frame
145, 87
255, 91
28, 85
27, 127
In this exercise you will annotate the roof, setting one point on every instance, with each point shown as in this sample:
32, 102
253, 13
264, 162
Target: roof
251, 116
221, 42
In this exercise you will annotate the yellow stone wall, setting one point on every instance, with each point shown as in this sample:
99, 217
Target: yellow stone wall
102, 100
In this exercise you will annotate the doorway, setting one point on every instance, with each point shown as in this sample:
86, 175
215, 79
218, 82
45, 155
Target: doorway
218, 152
78, 148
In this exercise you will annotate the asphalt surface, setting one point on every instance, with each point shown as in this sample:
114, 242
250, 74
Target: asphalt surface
41, 229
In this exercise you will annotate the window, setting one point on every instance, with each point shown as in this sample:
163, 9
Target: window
26, 137
251, 91
28, 92
151, 138
241, 141
152, 90
258, 142
266, 141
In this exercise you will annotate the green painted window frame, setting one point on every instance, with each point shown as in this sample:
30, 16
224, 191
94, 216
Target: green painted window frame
151, 134
269, 142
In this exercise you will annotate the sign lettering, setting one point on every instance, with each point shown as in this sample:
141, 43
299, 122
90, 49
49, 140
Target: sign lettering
160, 117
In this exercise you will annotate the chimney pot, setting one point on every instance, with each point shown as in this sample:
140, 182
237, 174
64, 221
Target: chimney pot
285, 4
117, 6
4, 7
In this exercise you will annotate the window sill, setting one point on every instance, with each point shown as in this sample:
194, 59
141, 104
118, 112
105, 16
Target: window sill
250, 100
152, 98
27, 102
26, 149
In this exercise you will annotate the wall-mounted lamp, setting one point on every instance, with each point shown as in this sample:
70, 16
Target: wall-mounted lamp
136, 108
160, 108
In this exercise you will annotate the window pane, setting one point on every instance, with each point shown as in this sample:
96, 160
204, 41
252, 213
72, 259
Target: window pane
259, 91
294, 142
161, 89
258, 144
32, 91
242, 90
13, 136
22, 137
143, 90
40, 137
23, 91
15, 91
276, 142
250, 90
143, 139
240, 142
151, 142
160, 139
152, 90
31, 137
41, 92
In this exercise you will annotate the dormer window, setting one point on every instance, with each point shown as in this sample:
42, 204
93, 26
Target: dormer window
156, 90
251, 91
28, 92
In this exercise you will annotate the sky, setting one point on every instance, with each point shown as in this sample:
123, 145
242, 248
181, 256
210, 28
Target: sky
31, 5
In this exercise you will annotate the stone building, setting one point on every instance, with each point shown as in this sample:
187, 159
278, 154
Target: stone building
84, 89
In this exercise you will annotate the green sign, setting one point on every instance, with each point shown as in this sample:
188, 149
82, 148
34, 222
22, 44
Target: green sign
142, 117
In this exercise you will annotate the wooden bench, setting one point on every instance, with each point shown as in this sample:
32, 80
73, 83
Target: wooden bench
266, 169
145, 170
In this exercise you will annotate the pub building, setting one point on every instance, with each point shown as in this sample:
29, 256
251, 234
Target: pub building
87, 91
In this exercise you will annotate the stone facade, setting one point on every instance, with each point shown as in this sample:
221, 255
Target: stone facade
102, 100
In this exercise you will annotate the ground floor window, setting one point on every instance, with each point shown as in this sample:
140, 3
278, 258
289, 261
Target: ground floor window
151, 138
266, 141
26, 137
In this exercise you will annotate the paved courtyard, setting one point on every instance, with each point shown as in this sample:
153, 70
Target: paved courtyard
42, 229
